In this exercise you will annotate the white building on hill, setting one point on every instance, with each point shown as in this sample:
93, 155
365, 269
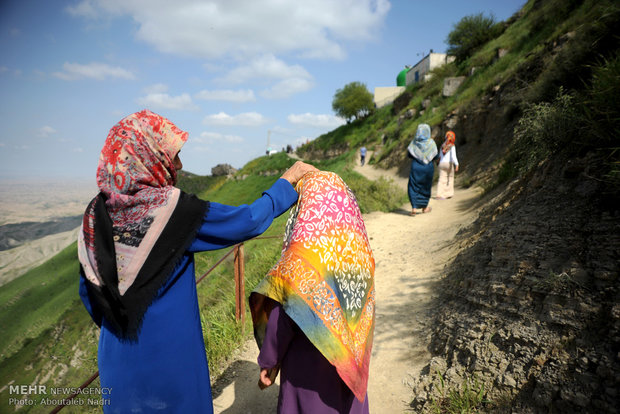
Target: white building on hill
385, 95
420, 71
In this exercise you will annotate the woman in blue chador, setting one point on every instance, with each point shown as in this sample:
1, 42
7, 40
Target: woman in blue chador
136, 251
423, 150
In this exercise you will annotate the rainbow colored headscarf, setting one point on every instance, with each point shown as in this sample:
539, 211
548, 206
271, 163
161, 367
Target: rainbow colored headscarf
324, 279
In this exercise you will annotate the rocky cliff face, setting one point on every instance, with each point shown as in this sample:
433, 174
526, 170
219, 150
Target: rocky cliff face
531, 307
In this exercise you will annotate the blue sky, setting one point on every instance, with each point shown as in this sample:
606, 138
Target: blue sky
226, 71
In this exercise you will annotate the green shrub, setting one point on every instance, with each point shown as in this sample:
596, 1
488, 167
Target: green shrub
470, 33
602, 115
468, 398
544, 129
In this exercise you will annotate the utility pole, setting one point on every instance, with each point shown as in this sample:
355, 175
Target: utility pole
268, 142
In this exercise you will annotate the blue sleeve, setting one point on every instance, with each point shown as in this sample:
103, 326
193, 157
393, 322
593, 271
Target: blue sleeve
227, 225
94, 313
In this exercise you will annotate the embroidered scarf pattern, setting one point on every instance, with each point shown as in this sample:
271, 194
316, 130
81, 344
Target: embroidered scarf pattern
325, 278
136, 229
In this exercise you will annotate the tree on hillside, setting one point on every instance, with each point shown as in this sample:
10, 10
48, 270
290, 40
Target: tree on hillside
470, 33
352, 101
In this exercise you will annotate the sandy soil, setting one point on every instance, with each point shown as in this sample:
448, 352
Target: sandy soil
43, 201
410, 254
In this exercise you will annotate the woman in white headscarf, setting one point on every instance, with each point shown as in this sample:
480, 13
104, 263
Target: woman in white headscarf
423, 150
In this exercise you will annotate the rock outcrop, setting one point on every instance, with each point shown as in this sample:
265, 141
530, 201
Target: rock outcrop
223, 169
530, 309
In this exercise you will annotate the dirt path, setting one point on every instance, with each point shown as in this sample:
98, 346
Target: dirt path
410, 254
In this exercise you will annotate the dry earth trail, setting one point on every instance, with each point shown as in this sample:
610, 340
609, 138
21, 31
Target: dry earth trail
410, 255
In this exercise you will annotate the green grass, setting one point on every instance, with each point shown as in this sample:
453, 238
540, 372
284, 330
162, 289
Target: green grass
64, 356
222, 333
237, 192
274, 164
35, 301
466, 399
196, 184
380, 195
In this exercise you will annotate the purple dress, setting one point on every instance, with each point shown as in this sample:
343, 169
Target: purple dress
308, 382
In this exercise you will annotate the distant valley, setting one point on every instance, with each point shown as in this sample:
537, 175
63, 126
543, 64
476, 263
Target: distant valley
37, 220
16, 234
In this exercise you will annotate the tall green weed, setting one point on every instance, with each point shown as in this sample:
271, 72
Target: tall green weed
543, 130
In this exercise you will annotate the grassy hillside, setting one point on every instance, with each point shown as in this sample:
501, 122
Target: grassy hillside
553, 49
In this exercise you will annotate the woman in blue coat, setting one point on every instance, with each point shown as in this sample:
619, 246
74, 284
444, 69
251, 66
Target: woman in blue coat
136, 252
423, 151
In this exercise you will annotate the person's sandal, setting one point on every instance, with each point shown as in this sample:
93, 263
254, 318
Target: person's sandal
427, 210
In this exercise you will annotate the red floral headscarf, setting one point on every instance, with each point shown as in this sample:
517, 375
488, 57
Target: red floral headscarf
139, 224
449, 142
138, 154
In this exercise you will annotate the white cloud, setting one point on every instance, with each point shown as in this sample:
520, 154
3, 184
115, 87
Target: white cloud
181, 102
3, 69
316, 120
245, 28
85, 8
216, 136
45, 131
291, 79
156, 88
211, 67
286, 88
243, 119
241, 95
94, 70
78, 149
265, 67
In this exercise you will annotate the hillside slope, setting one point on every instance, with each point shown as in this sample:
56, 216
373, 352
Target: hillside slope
531, 307
527, 315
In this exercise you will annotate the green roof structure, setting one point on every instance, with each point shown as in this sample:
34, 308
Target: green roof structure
401, 79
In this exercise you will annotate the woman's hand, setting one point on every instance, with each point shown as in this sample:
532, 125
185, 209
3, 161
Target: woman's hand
297, 170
